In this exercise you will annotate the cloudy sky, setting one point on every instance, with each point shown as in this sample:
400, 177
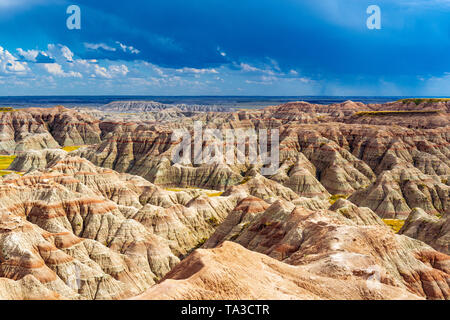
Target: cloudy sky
225, 47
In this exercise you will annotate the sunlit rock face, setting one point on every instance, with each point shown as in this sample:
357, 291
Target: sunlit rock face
40, 128
118, 219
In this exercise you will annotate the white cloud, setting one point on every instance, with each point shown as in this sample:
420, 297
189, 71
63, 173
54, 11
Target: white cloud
96, 46
29, 55
136, 76
10, 65
60, 53
221, 52
56, 70
248, 68
66, 53
121, 70
197, 71
126, 48
102, 72
111, 72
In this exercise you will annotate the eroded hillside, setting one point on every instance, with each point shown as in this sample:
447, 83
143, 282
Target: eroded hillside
116, 218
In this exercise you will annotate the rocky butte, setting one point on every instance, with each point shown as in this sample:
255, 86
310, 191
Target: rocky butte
93, 207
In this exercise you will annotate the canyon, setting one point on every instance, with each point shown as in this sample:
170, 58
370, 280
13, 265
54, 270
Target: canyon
93, 207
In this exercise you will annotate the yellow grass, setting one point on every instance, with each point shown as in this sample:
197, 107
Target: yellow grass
418, 101
245, 180
214, 194
71, 148
6, 109
181, 189
209, 193
393, 113
5, 172
5, 161
335, 197
395, 224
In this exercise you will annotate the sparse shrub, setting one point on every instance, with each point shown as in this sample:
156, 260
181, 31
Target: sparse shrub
395, 224
71, 148
245, 180
213, 221
394, 113
335, 197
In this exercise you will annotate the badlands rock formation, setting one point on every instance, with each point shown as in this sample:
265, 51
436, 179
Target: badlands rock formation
119, 219
150, 106
86, 232
345, 242
40, 128
432, 230
232, 272
36, 159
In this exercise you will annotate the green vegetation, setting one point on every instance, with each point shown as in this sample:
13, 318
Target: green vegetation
245, 180
5, 161
209, 193
6, 109
395, 113
395, 224
213, 221
335, 197
200, 243
418, 101
214, 194
245, 225
234, 236
182, 189
421, 186
71, 148
173, 189
5, 172
268, 223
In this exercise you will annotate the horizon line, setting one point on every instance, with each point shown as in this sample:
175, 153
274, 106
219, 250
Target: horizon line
225, 96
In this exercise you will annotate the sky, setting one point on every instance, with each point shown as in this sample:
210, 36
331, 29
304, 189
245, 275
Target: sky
225, 47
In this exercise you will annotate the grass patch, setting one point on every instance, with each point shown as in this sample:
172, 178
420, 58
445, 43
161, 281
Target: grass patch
71, 148
183, 189
200, 243
213, 221
335, 198
395, 224
395, 113
6, 109
174, 189
214, 194
5, 161
6, 172
208, 193
245, 180
418, 101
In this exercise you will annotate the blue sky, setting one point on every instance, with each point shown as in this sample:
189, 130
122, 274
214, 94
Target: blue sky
225, 47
